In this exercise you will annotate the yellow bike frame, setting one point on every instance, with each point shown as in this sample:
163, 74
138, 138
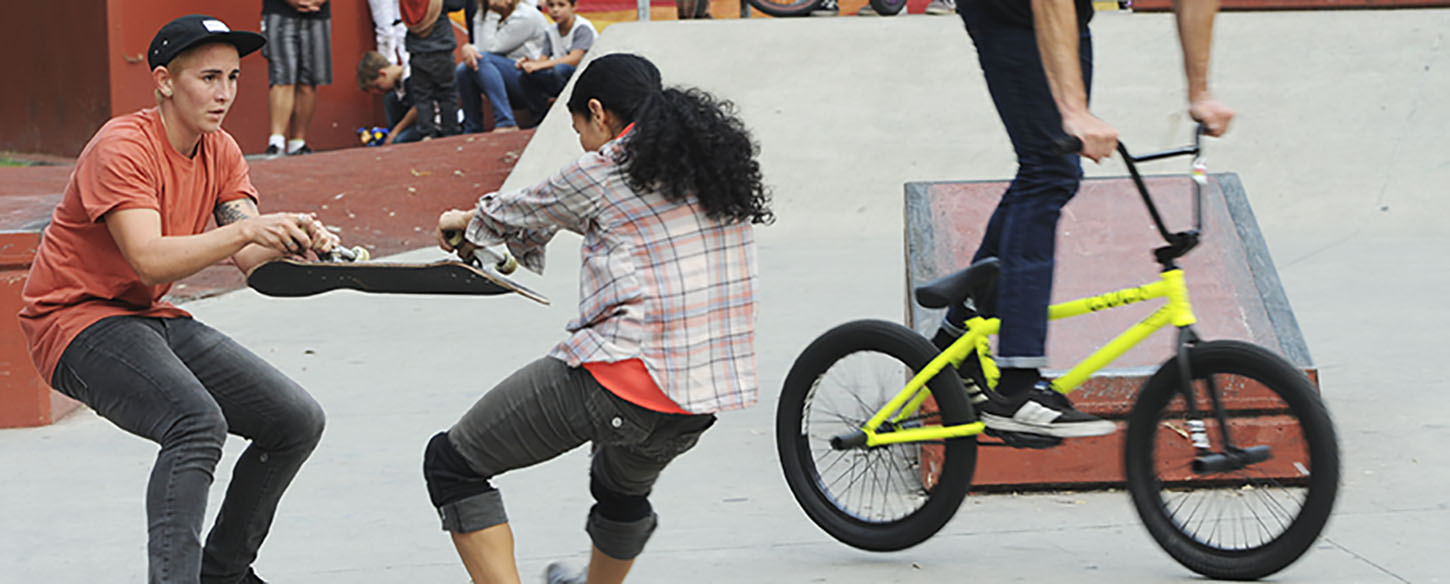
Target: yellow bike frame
1177, 312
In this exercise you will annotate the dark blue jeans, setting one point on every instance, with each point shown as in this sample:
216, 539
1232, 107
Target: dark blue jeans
496, 78
1022, 232
543, 84
394, 109
185, 386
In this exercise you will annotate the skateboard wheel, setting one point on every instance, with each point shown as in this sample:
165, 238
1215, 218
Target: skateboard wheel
361, 254
509, 264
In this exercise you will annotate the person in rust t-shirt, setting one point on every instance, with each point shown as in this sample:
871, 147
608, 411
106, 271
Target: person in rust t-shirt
133, 220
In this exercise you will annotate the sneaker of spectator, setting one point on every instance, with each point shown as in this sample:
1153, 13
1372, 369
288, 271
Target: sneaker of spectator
939, 7
867, 10
827, 8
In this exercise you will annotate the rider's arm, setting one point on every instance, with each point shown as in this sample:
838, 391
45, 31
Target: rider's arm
1195, 32
1056, 24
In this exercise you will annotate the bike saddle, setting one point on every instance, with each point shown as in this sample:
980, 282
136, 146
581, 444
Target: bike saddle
977, 281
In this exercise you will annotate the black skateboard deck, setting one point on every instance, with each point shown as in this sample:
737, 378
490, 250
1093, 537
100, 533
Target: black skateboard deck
288, 277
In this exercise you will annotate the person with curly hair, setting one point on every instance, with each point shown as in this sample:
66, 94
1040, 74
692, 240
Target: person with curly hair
666, 197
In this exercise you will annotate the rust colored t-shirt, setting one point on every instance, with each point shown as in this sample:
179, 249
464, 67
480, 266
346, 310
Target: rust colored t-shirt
79, 275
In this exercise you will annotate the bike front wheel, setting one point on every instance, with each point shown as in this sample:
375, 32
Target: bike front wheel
1233, 521
880, 498
786, 8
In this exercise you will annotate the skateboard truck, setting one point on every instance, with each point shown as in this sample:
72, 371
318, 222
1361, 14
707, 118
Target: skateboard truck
356, 253
501, 260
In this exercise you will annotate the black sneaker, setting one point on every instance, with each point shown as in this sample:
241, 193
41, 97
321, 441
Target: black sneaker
1042, 411
827, 8
305, 149
273, 150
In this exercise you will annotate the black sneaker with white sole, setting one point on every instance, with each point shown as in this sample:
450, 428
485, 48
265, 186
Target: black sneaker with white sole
1042, 411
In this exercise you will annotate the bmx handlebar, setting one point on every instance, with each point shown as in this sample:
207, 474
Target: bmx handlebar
1180, 242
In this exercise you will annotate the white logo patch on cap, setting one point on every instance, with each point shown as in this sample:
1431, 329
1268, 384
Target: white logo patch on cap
215, 26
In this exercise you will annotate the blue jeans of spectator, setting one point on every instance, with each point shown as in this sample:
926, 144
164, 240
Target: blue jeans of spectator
543, 84
394, 109
1022, 231
496, 78
185, 386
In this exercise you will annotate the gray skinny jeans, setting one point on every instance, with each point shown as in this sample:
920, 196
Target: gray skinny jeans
548, 408
185, 386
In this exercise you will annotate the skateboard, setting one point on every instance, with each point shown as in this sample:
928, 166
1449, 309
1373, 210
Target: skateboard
291, 277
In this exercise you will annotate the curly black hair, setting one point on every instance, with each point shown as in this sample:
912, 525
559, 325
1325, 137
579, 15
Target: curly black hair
685, 142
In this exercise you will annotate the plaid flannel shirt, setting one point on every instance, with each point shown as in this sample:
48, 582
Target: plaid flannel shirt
659, 280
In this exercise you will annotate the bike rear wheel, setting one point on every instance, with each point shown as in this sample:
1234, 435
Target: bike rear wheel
786, 8
1234, 524
881, 498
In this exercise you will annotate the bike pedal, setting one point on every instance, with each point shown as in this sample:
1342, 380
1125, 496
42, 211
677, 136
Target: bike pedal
1024, 440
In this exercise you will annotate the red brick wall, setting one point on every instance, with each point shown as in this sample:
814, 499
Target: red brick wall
72, 70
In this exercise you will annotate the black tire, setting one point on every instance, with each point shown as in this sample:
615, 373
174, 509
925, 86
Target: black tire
887, 7
786, 8
1257, 542
825, 396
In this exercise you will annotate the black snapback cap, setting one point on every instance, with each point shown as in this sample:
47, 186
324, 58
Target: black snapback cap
189, 31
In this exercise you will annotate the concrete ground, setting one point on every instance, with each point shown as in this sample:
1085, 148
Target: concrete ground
1340, 147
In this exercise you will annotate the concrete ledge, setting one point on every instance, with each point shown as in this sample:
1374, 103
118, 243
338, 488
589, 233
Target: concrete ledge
25, 398
1105, 240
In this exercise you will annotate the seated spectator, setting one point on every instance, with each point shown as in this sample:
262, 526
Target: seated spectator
498, 38
376, 75
564, 46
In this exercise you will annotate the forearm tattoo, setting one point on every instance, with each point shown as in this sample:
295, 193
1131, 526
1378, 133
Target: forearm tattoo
234, 211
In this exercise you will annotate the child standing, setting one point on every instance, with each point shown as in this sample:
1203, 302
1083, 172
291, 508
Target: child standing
430, 47
666, 198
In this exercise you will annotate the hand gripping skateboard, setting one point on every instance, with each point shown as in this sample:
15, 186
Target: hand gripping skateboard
290, 277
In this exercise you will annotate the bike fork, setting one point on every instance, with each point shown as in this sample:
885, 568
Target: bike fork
1209, 460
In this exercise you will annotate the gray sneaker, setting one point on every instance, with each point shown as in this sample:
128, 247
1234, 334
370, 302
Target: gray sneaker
558, 573
1045, 412
940, 7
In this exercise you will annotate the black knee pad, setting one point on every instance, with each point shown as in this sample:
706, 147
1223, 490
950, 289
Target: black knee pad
616, 506
448, 474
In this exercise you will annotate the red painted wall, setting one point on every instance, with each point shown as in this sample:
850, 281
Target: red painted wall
341, 107
55, 75
74, 65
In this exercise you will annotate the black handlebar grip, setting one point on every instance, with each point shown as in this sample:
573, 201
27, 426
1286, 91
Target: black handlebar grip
1066, 144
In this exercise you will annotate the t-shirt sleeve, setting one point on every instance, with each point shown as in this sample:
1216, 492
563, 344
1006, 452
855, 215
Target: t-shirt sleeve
238, 183
119, 174
583, 39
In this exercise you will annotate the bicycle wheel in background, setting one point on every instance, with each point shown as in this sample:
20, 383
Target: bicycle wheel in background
1239, 524
786, 7
879, 498
888, 7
